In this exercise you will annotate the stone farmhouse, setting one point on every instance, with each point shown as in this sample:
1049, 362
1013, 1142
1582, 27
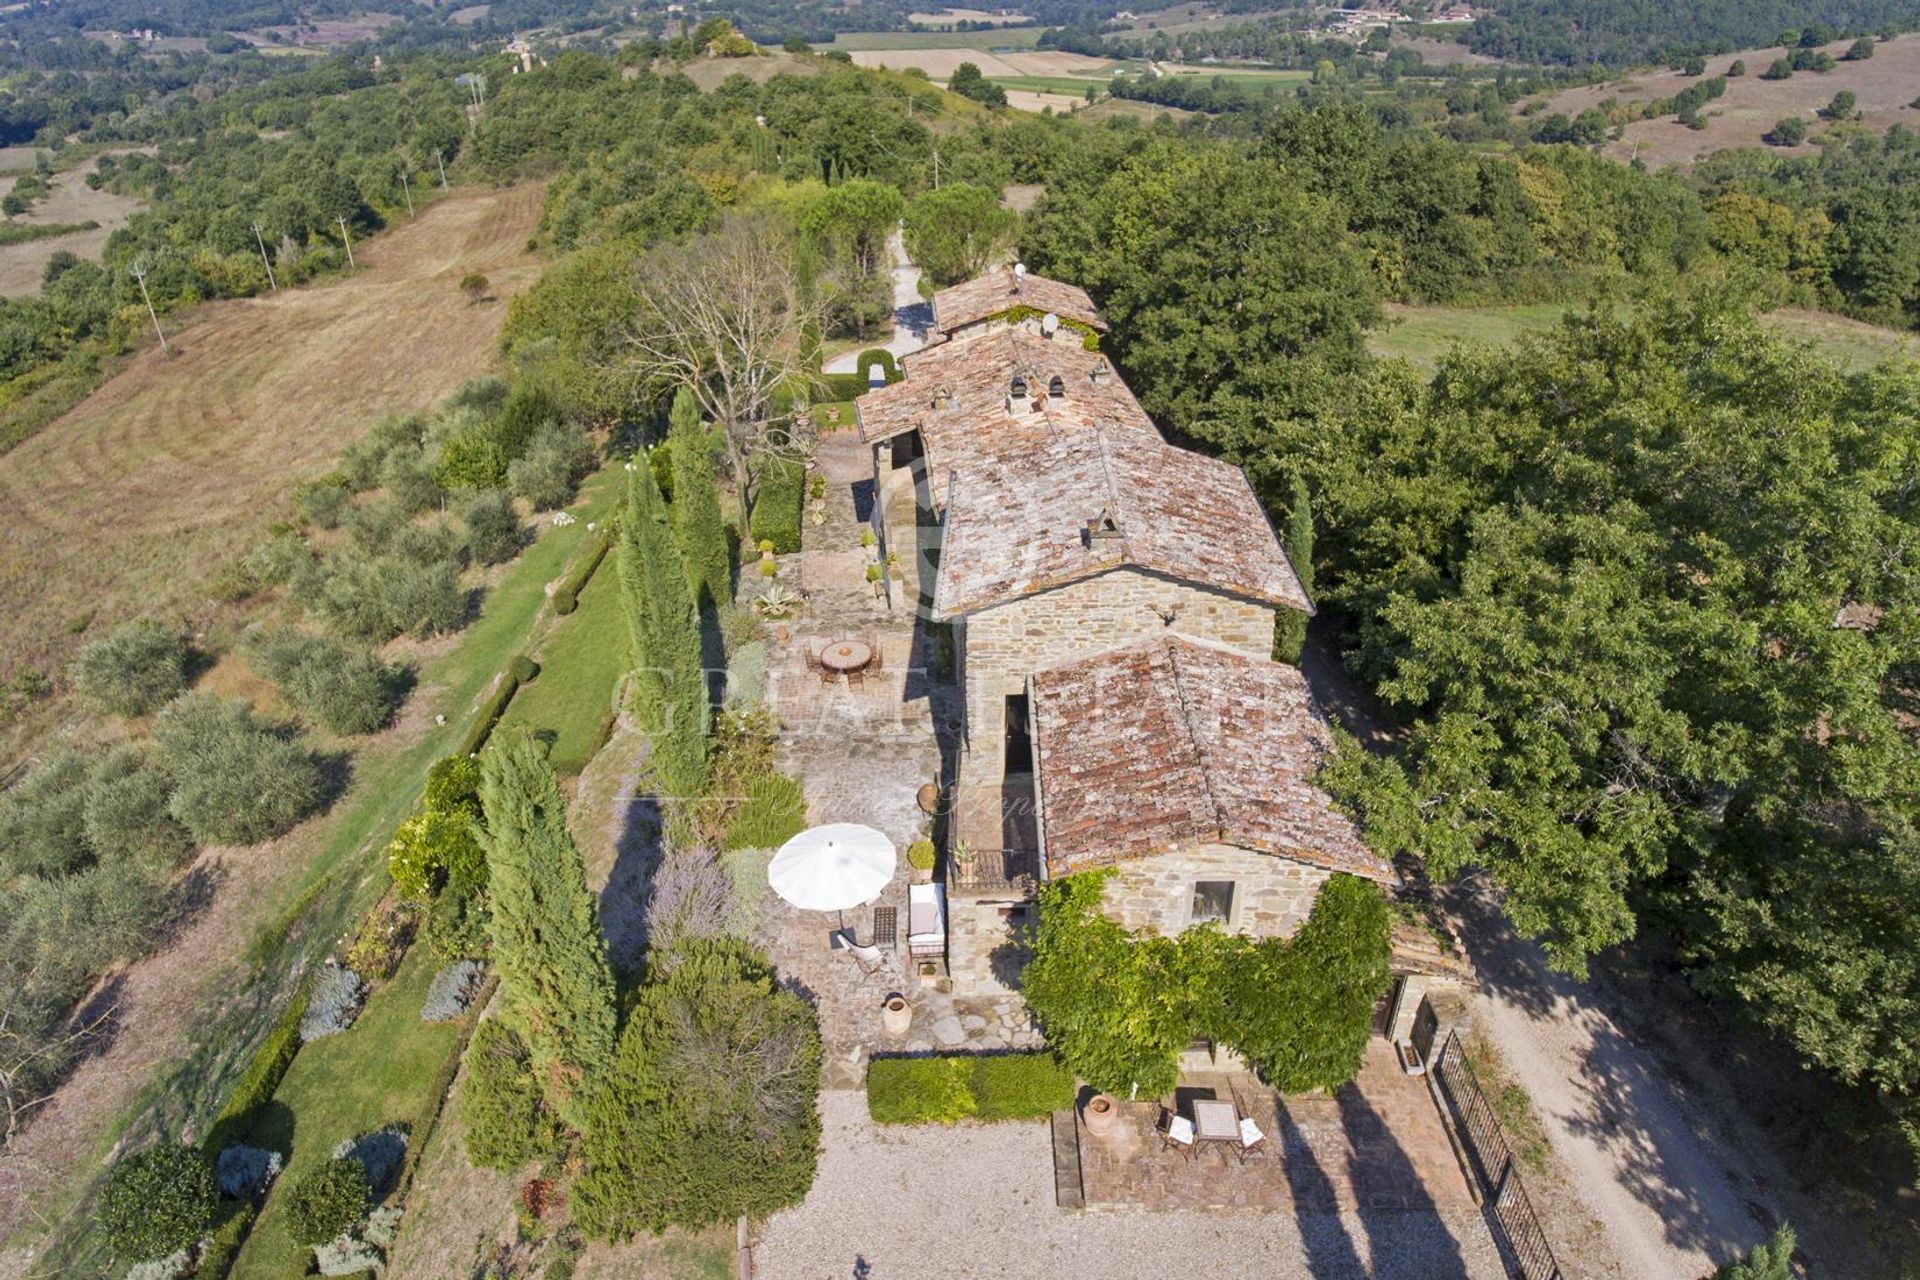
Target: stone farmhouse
1110, 602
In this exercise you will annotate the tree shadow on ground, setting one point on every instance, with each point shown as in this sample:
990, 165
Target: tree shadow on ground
1390, 1192
623, 902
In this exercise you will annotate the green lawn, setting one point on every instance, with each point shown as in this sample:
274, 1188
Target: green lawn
1424, 334
1071, 85
316, 900
1007, 38
581, 661
385, 1069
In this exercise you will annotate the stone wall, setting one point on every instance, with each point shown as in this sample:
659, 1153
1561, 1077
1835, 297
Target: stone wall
1271, 895
984, 946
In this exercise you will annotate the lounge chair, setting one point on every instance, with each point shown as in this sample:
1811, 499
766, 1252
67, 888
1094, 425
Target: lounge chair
867, 957
926, 920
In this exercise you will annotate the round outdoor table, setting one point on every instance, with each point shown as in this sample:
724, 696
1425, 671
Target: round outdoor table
846, 655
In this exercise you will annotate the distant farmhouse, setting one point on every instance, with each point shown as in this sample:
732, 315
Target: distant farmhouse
1112, 601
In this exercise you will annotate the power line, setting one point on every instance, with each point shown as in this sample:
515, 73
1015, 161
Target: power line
139, 270
260, 235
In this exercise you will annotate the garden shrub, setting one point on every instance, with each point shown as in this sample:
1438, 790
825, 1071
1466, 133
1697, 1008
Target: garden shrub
429, 544
223, 1245
327, 1202
372, 526
361, 461
1772, 1260
493, 708
919, 1090
494, 531
348, 690
691, 896
1016, 1086
140, 666
236, 779
777, 503
505, 1112
920, 855
747, 674
472, 458
381, 941
243, 1172
835, 387
171, 1267
333, 1003
126, 811
747, 869
383, 1226
773, 811
453, 991
708, 1110
422, 848
347, 1255
157, 1200
377, 599
567, 596
380, 1152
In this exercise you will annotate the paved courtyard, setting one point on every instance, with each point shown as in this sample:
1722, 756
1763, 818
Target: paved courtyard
1377, 1145
977, 1201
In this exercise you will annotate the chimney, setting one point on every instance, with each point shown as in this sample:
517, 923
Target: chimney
1057, 387
941, 397
1098, 374
1017, 394
1103, 525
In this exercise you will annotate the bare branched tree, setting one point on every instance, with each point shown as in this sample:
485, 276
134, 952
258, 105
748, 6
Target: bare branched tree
33, 1056
725, 315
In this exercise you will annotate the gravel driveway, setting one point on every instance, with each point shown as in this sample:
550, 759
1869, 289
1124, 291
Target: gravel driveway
976, 1201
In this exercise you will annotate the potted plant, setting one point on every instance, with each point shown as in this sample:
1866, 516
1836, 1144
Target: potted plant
866, 538
1101, 1114
893, 566
874, 574
766, 548
920, 858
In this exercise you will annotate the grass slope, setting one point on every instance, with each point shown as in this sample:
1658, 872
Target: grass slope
1006, 38
584, 656
333, 872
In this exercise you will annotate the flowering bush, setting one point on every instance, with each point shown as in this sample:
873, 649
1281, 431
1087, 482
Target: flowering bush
243, 1172
347, 1256
452, 991
167, 1268
333, 1003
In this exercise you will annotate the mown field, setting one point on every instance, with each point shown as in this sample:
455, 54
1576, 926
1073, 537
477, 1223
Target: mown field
1423, 335
858, 41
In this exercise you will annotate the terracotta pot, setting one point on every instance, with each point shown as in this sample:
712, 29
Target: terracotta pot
781, 634
896, 1015
928, 798
1101, 1115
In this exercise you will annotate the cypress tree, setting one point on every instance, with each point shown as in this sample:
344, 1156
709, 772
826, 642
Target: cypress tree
1290, 627
554, 976
670, 688
696, 508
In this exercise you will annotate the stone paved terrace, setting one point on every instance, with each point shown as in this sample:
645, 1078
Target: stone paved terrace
1376, 1146
863, 752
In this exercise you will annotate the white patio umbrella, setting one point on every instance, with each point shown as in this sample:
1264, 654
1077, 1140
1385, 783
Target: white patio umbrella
831, 868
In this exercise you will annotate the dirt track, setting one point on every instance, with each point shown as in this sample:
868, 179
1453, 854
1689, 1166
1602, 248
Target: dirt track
128, 504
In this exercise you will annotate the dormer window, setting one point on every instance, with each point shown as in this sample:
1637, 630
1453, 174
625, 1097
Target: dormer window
1057, 387
1018, 389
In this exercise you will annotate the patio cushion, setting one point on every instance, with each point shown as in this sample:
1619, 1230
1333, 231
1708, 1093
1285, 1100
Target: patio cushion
926, 914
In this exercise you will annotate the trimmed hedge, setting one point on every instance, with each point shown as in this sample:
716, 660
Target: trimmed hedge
776, 510
566, 597
518, 672
1018, 1086
263, 1074
835, 387
889, 368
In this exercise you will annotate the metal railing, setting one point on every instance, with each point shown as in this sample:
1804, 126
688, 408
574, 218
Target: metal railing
994, 871
1516, 1226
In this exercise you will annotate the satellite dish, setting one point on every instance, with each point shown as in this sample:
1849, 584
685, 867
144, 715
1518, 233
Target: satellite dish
1019, 274
1049, 324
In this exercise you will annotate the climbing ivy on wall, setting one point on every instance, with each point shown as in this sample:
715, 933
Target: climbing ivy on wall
1118, 1008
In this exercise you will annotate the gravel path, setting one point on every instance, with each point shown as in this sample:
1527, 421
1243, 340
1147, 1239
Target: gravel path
1646, 1159
977, 1201
912, 314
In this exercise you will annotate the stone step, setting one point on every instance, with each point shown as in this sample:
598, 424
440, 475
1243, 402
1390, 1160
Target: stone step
1067, 1190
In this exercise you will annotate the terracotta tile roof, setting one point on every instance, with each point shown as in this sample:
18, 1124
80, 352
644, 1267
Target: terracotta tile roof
1086, 502
1173, 743
993, 293
957, 395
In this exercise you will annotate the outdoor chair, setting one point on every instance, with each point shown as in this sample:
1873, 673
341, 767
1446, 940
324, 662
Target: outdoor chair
886, 927
1176, 1133
857, 678
926, 920
812, 652
1250, 1136
869, 958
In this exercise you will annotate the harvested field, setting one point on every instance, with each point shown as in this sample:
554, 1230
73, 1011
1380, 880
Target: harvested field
1442, 53
1011, 38
708, 73
68, 199
131, 502
326, 33
1028, 100
1884, 85
939, 64
1053, 62
968, 15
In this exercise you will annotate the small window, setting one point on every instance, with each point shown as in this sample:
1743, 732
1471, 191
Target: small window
1212, 900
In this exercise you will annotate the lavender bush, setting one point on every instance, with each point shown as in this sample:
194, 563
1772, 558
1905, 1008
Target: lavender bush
334, 1002
452, 991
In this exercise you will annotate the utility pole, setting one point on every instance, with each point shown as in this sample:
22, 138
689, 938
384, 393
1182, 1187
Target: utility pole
346, 240
139, 269
404, 186
260, 235
439, 159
